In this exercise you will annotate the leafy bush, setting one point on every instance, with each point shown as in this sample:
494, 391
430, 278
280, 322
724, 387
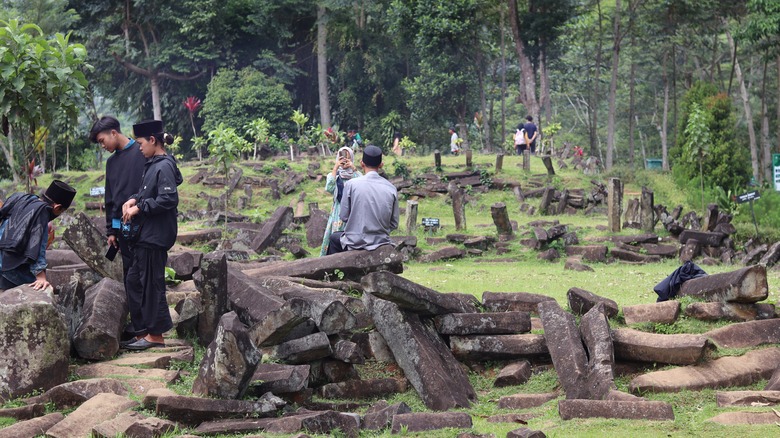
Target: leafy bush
727, 162
236, 98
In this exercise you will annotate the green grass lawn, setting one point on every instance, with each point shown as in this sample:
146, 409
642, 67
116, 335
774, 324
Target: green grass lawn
627, 284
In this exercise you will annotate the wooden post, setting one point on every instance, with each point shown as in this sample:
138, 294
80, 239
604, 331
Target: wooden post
469, 164
499, 161
437, 159
501, 219
647, 210
614, 204
547, 160
527, 160
411, 216
458, 196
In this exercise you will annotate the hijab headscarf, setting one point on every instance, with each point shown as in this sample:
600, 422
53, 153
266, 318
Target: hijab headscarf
343, 174
346, 174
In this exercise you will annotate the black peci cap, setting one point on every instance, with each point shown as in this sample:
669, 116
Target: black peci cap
148, 128
372, 156
60, 193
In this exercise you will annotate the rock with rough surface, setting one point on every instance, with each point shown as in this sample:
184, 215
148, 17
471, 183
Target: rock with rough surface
34, 346
421, 421
665, 312
412, 297
628, 410
637, 346
100, 408
89, 242
746, 334
513, 301
426, 361
229, 362
746, 285
488, 323
103, 319
581, 300
195, 410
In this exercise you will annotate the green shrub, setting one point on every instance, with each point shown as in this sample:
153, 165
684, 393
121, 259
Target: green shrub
236, 98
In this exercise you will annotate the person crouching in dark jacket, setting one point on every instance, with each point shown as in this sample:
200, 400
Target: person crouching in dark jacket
149, 223
24, 234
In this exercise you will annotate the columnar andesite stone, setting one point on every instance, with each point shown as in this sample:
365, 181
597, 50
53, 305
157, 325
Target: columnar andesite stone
634, 345
628, 410
513, 301
195, 410
665, 312
229, 362
103, 319
581, 300
94, 411
746, 285
719, 373
413, 297
488, 323
426, 361
212, 281
746, 334
565, 345
747, 398
34, 346
273, 229
614, 204
420, 421
89, 242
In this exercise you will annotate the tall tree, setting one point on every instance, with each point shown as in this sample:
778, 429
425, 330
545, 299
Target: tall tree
322, 66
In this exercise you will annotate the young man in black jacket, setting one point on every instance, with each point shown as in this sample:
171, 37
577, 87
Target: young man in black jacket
24, 234
124, 170
149, 219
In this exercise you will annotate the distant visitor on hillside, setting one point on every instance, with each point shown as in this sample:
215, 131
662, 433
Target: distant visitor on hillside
369, 207
353, 141
454, 143
531, 133
124, 170
343, 171
520, 145
149, 222
397, 144
24, 234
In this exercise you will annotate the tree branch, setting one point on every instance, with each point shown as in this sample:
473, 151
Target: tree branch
132, 67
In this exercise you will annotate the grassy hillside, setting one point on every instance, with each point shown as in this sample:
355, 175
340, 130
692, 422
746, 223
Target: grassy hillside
625, 283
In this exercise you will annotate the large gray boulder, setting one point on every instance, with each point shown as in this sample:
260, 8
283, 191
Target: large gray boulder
229, 363
34, 345
426, 361
89, 242
103, 319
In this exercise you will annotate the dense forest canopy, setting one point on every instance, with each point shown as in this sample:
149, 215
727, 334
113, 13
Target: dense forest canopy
613, 76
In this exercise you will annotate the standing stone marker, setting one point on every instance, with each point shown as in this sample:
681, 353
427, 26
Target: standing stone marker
273, 229
211, 281
411, 216
469, 162
437, 159
458, 205
647, 210
614, 204
501, 219
499, 162
527, 160
547, 160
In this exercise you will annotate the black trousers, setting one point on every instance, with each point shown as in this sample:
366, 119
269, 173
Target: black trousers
334, 247
145, 288
126, 251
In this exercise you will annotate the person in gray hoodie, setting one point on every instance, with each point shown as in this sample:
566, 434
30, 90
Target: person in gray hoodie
149, 223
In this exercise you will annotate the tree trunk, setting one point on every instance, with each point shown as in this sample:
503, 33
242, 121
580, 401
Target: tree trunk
8, 151
766, 161
594, 102
322, 66
613, 88
503, 79
155, 83
665, 119
777, 122
528, 85
746, 105
631, 103
483, 104
544, 84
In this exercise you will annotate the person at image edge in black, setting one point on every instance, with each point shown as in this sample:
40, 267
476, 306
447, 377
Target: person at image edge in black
149, 219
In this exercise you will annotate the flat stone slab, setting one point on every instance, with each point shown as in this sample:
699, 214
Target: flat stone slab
637, 346
380, 415
513, 374
512, 418
24, 412
628, 410
746, 334
665, 312
421, 421
114, 371
719, 373
525, 432
279, 378
488, 323
360, 389
704, 237
117, 426
591, 253
31, 428
525, 401
746, 285
747, 398
513, 301
732, 418
153, 358
195, 410
498, 347
738, 312
413, 297
74, 393
100, 408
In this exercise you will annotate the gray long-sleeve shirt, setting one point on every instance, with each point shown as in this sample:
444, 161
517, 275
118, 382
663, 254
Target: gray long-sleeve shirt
369, 206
